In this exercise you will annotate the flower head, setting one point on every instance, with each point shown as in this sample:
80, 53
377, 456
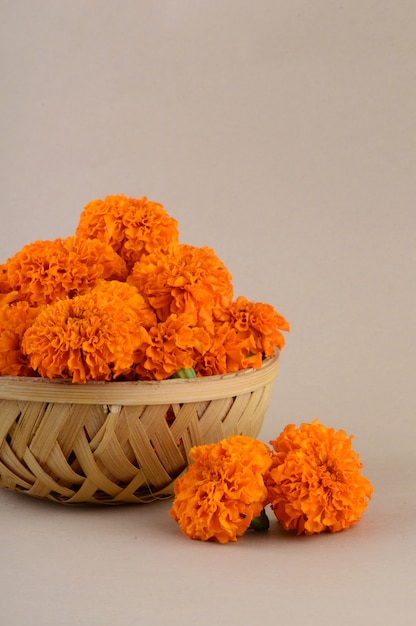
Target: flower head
133, 227
45, 271
15, 318
229, 351
175, 302
223, 490
243, 334
314, 482
259, 321
89, 337
171, 345
184, 279
128, 298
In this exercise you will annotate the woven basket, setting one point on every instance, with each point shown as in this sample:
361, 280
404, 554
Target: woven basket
109, 443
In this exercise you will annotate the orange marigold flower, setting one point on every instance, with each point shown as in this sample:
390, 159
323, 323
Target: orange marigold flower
184, 279
212, 361
100, 258
129, 298
89, 337
45, 271
228, 352
314, 482
15, 318
172, 346
258, 320
132, 227
223, 490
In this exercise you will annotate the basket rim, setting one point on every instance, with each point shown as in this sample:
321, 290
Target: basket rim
130, 393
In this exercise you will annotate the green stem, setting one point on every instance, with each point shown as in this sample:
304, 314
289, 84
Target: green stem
185, 372
261, 522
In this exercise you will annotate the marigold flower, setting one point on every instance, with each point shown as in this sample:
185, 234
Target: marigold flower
213, 360
223, 490
45, 271
258, 320
89, 337
184, 279
172, 345
314, 482
228, 352
174, 301
132, 227
128, 297
15, 318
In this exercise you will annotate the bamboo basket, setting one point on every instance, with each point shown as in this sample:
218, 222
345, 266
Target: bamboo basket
120, 442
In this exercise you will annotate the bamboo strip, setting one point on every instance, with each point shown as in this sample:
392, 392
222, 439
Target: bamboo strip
129, 493
14, 464
145, 454
31, 415
211, 421
53, 422
44, 482
59, 466
9, 412
167, 450
90, 468
114, 460
140, 392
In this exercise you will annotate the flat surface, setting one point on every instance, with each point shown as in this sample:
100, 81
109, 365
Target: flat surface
283, 135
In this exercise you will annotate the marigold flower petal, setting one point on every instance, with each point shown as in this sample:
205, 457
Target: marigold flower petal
5, 286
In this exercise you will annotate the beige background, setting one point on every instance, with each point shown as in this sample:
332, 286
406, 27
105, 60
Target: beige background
283, 135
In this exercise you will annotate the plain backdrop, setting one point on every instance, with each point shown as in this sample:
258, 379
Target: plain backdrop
283, 135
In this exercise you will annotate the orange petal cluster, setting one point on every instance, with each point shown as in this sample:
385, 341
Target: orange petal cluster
243, 334
259, 322
126, 299
89, 337
4, 280
223, 490
186, 280
122, 298
15, 319
172, 345
133, 227
311, 477
46, 271
314, 482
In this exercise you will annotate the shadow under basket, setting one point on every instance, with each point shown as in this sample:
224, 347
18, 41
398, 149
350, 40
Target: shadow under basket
120, 442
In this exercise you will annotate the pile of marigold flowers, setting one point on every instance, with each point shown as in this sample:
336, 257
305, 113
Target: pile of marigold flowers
311, 478
123, 299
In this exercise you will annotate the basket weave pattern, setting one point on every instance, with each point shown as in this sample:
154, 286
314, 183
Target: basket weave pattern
109, 443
